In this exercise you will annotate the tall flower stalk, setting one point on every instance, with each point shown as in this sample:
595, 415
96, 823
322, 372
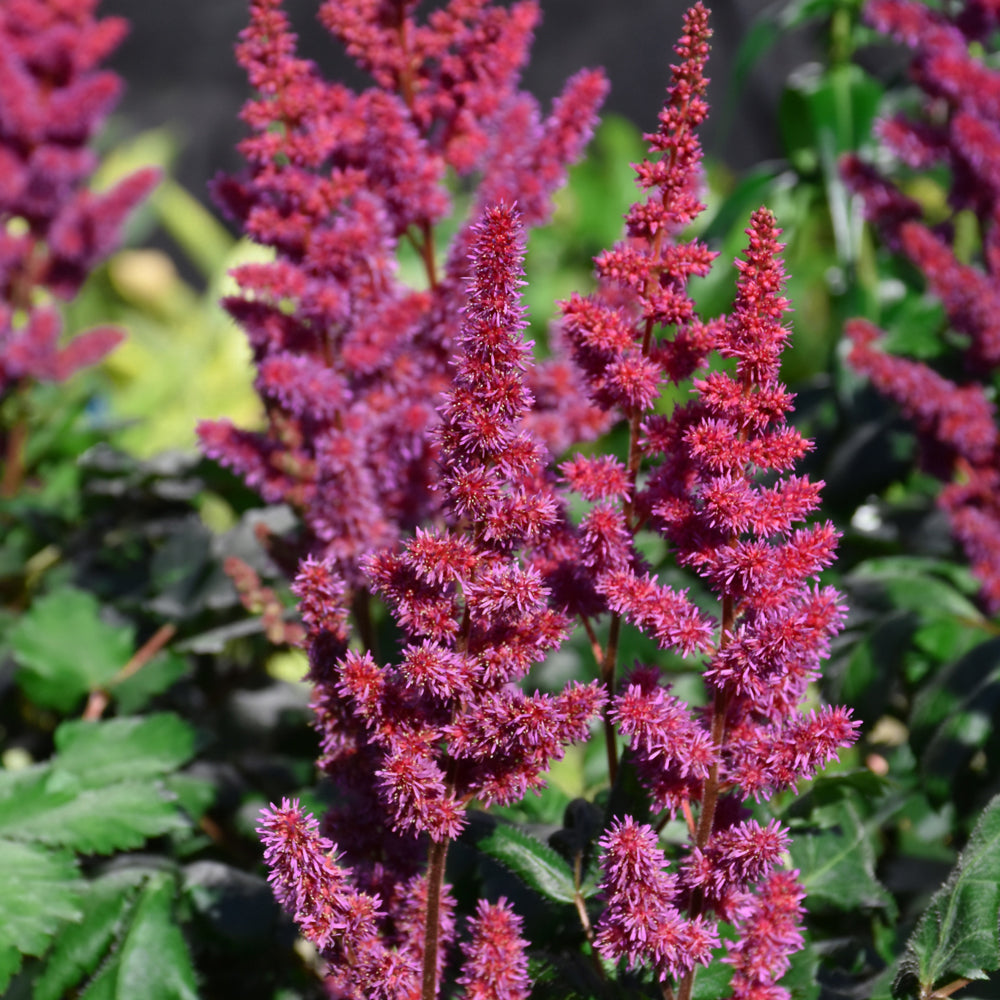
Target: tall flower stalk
351, 359
712, 477
54, 230
950, 402
447, 723
493, 582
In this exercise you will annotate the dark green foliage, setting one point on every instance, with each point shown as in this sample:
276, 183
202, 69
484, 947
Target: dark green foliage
124, 852
64, 650
101, 792
957, 935
535, 863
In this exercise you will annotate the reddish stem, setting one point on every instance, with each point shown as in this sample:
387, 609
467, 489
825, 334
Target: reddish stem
98, 700
13, 467
608, 667
432, 929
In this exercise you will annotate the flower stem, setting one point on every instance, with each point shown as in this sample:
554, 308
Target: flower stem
608, 677
710, 793
13, 468
16, 440
581, 908
720, 709
945, 991
98, 700
435, 880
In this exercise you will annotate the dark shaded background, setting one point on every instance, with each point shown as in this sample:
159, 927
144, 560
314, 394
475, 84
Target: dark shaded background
180, 70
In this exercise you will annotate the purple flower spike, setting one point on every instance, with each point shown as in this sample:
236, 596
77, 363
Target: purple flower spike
481, 567
351, 361
496, 966
53, 230
954, 417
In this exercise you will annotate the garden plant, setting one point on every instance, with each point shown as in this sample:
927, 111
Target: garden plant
594, 590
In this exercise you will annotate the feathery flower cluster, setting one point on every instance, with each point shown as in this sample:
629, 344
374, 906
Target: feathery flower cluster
719, 490
496, 967
264, 602
350, 360
642, 922
53, 230
447, 720
330, 912
769, 931
955, 419
739, 534
447, 724
491, 584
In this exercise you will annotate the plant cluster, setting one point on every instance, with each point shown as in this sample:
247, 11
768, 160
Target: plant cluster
598, 708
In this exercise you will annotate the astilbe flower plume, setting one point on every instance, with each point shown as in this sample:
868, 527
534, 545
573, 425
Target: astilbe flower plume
952, 410
448, 722
54, 97
491, 583
350, 359
714, 479
496, 964
330, 912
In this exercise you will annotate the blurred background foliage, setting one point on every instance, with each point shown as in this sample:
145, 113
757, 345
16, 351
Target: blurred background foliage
184, 359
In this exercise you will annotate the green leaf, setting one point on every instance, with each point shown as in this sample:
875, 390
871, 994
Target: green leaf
10, 962
713, 982
100, 820
194, 795
104, 985
535, 863
763, 32
862, 678
957, 936
162, 672
80, 947
952, 715
914, 328
200, 235
65, 650
94, 754
39, 892
819, 805
912, 590
958, 576
155, 963
837, 864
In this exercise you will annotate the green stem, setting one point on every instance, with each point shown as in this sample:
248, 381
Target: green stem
710, 792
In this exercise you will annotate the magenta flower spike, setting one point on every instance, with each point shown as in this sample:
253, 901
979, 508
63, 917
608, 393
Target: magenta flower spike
351, 360
476, 616
409, 744
954, 417
746, 540
714, 478
341, 921
496, 966
54, 98
769, 925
